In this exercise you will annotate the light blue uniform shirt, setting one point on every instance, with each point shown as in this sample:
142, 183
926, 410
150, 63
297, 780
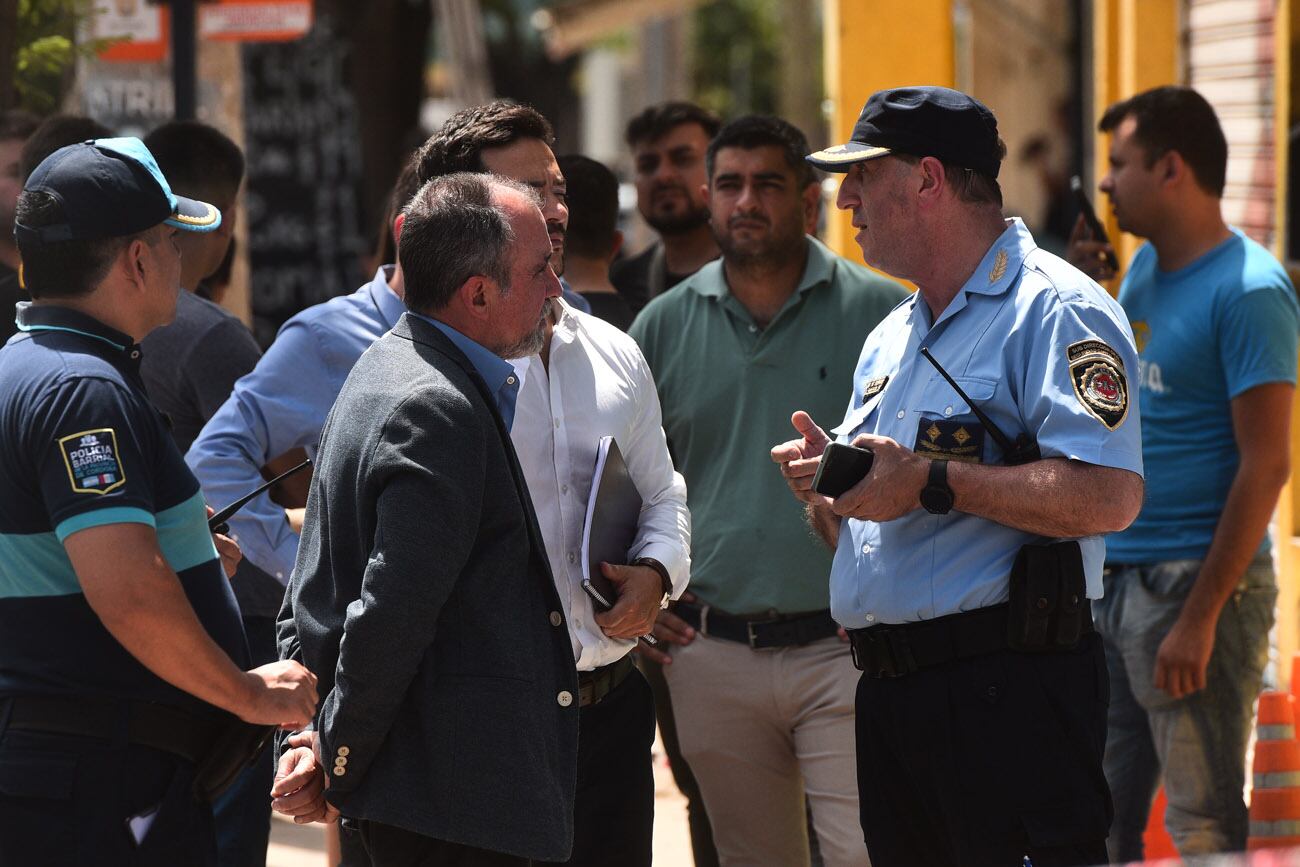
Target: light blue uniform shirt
280, 405
498, 374
1042, 350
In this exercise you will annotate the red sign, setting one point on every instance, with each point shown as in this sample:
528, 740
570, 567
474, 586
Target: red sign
255, 20
139, 27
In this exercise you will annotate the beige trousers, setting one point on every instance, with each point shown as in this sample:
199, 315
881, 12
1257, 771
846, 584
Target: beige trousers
760, 728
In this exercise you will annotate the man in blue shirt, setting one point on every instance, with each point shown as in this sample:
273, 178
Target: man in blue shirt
964, 562
1190, 587
120, 643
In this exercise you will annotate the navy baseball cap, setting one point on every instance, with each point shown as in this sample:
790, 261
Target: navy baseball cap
924, 122
109, 188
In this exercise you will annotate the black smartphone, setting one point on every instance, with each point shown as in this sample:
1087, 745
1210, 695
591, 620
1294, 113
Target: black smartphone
1090, 217
841, 468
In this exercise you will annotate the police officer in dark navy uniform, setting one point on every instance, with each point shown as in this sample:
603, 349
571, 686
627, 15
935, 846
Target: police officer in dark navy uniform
966, 557
121, 649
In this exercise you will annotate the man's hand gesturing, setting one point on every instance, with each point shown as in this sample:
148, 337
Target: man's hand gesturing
800, 458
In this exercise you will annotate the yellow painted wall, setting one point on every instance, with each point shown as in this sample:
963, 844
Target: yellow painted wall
875, 44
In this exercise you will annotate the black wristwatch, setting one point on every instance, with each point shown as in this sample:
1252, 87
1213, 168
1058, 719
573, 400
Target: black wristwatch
936, 496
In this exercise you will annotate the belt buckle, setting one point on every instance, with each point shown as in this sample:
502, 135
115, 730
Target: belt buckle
753, 636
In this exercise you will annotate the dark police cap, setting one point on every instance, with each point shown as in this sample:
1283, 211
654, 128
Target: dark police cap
108, 188
924, 122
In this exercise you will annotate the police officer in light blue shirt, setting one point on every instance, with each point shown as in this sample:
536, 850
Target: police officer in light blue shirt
966, 557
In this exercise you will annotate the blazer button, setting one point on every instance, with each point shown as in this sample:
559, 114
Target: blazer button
565, 698
556, 619
343, 751
340, 761
339, 770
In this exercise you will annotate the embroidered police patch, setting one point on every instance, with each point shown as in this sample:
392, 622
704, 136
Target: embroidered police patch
873, 387
92, 462
1097, 373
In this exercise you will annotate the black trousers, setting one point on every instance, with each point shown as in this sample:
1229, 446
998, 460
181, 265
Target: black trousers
390, 846
66, 802
702, 846
613, 813
986, 760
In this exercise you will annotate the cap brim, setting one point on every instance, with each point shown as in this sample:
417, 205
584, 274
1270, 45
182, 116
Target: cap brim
194, 216
840, 157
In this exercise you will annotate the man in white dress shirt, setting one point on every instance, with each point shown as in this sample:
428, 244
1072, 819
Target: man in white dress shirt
590, 381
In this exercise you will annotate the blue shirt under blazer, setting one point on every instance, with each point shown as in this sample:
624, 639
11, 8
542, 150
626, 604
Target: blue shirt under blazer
1020, 339
423, 600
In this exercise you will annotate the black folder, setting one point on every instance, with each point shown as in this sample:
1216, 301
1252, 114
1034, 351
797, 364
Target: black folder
613, 513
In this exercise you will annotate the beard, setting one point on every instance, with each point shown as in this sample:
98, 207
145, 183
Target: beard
532, 342
774, 250
679, 224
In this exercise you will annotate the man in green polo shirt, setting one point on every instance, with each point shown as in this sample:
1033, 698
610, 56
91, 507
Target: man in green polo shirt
761, 686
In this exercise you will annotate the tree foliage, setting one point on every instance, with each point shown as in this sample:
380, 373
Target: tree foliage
47, 49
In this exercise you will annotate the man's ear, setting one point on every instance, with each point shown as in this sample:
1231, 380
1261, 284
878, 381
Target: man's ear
135, 263
932, 177
476, 296
398, 222
1173, 167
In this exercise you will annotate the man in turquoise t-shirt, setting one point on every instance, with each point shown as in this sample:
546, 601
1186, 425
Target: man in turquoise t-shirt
1189, 587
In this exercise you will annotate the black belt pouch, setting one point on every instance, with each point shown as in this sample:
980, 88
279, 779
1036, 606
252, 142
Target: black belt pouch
1047, 598
236, 747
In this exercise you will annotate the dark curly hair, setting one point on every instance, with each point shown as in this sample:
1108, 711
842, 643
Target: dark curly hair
459, 145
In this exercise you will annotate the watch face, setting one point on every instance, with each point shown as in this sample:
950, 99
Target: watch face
936, 501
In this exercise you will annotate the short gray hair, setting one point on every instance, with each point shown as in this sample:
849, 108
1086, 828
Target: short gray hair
454, 230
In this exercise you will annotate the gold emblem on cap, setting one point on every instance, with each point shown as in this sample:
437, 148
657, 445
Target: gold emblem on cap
999, 267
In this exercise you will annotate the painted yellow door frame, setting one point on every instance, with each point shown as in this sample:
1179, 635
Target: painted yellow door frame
874, 44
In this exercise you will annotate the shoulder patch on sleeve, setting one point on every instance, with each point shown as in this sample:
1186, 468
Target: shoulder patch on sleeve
92, 462
1097, 373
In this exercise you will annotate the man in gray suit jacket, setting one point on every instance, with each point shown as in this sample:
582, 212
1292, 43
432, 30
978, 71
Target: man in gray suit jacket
422, 592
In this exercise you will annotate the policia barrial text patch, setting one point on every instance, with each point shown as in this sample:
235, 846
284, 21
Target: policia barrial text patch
91, 459
1097, 373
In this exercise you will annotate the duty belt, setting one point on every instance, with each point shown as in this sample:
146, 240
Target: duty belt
595, 685
896, 651
760, 633
148, 724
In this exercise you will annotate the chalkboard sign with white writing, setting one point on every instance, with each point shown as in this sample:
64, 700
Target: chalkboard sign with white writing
304, 171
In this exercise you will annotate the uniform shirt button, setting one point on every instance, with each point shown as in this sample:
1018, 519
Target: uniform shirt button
339, 770
556, 619
947, 410
343, 751
510, 380
871, 618
866, 549
565, 698
901, 413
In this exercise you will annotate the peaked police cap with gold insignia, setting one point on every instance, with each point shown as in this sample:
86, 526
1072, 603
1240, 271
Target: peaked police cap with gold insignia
924, 122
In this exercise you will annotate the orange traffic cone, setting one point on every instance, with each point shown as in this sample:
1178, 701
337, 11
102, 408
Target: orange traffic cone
1275, 800
1156, 842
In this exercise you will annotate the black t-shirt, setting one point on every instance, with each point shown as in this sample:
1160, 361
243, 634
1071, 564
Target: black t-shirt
643, 276
611, 307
